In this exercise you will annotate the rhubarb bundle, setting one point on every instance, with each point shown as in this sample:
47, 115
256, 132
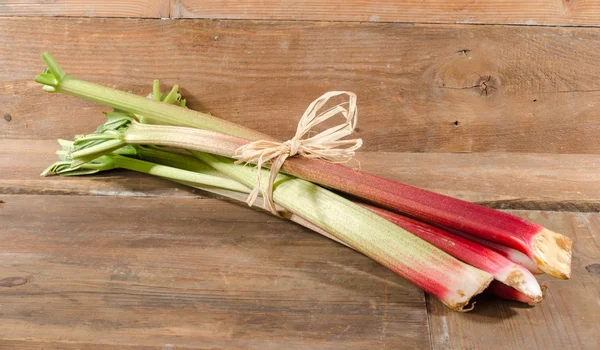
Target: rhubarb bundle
450, 248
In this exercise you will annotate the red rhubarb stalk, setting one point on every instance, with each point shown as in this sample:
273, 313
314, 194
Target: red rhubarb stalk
550, 251
450, 280
509, 253
501, 290
470, 252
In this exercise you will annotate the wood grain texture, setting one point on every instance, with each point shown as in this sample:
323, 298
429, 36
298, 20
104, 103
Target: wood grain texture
93, 8
66, 345
193, 274
528, 12
423, 88
568, 318
532, 181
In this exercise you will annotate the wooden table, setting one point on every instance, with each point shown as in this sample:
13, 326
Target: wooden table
506, 116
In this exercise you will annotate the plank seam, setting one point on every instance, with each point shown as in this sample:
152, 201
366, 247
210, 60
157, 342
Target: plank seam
429, 325
306, 21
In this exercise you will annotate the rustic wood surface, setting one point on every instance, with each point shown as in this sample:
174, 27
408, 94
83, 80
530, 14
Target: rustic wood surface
88, 8
528, 12
155, 271
424, 88
181, 269
189, 272
564, 182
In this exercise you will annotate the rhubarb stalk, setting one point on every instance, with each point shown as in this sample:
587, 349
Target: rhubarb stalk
107, 162
503, 291
486, 259
550, 250
509, 253
466, 250
434, 271
437, 273
169, 165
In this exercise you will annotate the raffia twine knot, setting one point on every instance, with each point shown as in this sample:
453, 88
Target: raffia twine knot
327, 145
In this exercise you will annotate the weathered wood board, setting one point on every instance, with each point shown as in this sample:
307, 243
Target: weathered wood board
422, 88
88, 8
527, 12
191, 273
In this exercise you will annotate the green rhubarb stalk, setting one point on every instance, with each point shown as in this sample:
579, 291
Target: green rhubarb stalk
55, 79
503, 269
112, 161
434, 271
121, 130
551, 251
186, 162
169, 165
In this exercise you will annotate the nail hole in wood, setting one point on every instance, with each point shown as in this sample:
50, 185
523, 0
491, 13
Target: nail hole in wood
594, 269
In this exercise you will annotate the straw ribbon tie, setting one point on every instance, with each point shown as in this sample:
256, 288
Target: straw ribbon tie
325, 145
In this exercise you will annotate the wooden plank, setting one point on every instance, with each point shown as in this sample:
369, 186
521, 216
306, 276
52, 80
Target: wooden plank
529, 12
65, 345
425, 88
94, 8
189, 273
568, 318
533, 181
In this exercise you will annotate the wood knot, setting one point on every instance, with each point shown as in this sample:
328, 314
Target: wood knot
487, 85
13, 281
7, 117
471, 83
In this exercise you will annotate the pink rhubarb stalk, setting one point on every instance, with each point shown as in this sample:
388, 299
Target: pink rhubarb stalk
551, 251
470, 252
436, 272
503, 291
509, 253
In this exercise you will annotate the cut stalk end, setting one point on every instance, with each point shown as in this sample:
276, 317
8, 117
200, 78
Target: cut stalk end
523, 281
552, 253
461, 300
503, 291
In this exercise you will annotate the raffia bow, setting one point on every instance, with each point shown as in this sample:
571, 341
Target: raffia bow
324, 145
